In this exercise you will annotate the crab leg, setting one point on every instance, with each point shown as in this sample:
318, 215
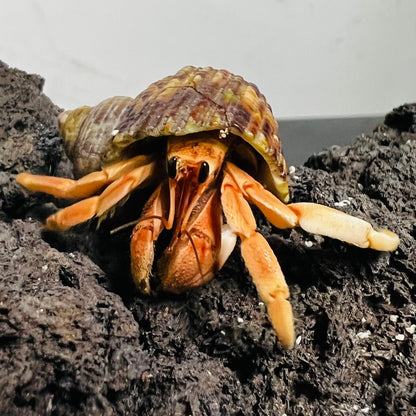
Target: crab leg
314, 218
96, 205
84, 187
260, 260
273, 209
145, 233
319, 219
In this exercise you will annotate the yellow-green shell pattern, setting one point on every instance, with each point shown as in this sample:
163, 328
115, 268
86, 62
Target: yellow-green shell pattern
193, 100
88, 134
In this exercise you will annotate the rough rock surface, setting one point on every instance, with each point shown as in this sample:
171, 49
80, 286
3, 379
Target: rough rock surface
75, 338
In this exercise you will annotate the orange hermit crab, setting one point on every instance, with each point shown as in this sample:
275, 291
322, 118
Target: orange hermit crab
208, 143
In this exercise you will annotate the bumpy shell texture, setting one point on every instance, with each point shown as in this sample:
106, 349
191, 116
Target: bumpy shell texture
88, 134
193, 100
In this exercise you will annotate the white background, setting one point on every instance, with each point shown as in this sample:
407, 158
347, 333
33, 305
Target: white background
310, 58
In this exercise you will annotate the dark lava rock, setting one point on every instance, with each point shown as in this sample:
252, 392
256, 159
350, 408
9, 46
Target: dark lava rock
77, 339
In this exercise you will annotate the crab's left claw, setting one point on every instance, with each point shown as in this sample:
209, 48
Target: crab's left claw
195, 254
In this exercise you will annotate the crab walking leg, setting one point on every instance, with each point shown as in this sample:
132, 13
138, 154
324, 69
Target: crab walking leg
84, 187
88, 208
260, 261
145, 233
319, 219
273, 209
314, 218
75, 214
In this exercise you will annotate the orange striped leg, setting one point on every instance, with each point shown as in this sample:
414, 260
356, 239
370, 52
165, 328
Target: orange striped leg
97, 205
84, 187
260, 261
319, 219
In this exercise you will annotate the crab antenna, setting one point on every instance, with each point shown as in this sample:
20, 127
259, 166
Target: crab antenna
171, 216
131, 223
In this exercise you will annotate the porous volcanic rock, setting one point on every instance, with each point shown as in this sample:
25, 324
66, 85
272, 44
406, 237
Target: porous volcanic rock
77, 339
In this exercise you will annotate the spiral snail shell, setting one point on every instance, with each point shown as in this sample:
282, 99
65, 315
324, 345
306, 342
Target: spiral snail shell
191, 101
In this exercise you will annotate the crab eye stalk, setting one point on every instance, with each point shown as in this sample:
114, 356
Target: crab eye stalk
203, 172
172, 167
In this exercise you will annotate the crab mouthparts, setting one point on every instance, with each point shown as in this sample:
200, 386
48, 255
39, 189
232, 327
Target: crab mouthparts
184, 195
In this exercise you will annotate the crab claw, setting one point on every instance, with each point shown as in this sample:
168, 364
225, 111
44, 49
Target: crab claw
189, 263
145, 233
194, 254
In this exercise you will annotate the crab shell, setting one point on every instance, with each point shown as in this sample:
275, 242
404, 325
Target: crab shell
191, 101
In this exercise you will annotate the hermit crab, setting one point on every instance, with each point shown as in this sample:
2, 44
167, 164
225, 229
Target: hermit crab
207, 142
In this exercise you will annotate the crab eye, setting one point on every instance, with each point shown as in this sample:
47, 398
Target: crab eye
203, 172
172, 166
